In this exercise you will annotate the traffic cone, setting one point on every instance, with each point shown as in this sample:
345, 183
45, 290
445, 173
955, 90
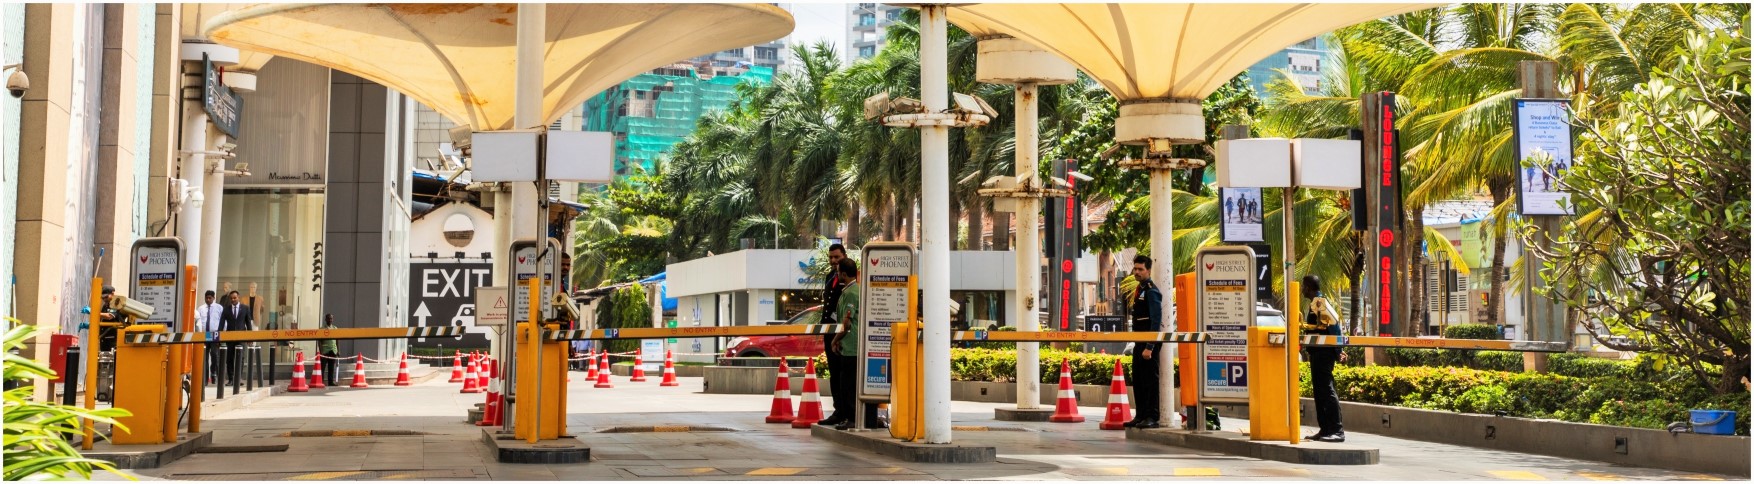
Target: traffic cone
481, 372
457, 368
591, 366
639, 371
1066, 408
490, 415
603, 374
402, 372
298, 375
810, 406
470, 382
359, 372
669, 371
782, 397
1119, 411
317, 373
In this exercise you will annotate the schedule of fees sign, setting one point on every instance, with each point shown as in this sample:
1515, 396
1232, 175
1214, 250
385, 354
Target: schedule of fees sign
157, 278
524, 254
885, 300
1226, 295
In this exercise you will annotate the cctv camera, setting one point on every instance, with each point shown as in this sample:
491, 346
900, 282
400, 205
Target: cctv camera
227, 146
17, 83
133, 309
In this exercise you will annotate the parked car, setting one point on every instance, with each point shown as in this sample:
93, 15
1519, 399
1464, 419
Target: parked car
804, 346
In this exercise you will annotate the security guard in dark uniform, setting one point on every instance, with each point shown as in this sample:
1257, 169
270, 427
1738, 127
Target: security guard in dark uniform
1147, 314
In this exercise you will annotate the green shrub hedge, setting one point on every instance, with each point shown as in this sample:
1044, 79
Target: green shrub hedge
1471, 331
980, 364
1610, 400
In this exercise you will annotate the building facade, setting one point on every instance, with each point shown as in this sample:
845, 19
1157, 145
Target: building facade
1303, 60
867, 24
653, 111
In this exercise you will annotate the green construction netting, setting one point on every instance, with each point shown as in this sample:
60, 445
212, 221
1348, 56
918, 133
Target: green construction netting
653, 111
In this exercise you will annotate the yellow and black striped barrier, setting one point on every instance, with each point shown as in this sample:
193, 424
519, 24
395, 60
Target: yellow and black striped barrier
1079, 336
296, 335
690, 332
1435, 343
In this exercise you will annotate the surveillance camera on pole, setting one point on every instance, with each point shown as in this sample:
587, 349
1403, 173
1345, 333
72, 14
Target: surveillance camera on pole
18, 82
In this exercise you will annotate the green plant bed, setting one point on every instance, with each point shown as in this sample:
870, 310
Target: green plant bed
1609, 400
977, 364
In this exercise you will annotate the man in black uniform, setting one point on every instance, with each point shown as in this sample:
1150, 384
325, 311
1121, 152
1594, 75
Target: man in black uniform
1147, 314
838, 365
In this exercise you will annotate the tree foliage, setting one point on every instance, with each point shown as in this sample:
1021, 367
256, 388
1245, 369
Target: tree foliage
1662, 254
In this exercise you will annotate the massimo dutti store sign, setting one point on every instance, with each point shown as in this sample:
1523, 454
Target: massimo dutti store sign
286, 139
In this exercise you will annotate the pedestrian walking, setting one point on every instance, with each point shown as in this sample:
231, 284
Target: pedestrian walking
207, 320
1147, 314
1322, 320
236, 316
331, 350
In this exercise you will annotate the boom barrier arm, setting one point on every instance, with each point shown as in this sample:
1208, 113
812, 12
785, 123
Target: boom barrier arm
1436, 343
1080, 336
297, 335
691, 332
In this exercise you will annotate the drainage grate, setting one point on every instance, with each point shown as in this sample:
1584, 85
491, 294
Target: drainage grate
350, 433
663, 428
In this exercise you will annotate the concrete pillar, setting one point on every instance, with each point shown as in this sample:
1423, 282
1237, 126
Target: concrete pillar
116, 140
354, 254
42, 179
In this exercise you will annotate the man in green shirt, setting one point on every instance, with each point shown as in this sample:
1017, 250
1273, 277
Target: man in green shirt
846, 388
331, 366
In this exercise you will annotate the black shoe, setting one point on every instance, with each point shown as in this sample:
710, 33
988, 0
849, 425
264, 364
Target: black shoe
830, 422
1336, 437
1148, 424
844, 426
1132, 423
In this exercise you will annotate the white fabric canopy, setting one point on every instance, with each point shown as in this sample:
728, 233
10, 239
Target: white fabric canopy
197, 14
459, 59
1179, 51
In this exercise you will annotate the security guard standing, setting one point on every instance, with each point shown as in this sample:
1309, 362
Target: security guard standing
1147, 314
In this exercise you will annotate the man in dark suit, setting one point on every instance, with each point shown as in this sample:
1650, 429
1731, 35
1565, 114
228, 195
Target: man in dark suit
235, 316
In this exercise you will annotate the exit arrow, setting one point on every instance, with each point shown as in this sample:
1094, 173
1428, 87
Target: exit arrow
420, 315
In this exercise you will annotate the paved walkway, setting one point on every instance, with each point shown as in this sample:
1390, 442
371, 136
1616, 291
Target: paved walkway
441, 447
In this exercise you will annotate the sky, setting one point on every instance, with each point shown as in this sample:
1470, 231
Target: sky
821, 21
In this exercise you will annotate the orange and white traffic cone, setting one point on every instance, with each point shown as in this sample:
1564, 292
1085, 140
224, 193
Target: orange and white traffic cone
810, 406
669, 371
639, 370
298, 376
402, 372
782, 397
359, 372
470, 383
603, 373
490, 415
317, 372
1066, 407
1119, 411
457, 368
591, 366
481, 372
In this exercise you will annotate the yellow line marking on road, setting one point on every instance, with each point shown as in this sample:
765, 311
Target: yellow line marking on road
1601, 476
1197, 471
776, 471
324, 476
1698, 477
1517, 475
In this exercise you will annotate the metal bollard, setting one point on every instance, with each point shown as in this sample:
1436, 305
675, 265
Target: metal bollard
70, 382
235, 362
250, 367
272, 362
217, 364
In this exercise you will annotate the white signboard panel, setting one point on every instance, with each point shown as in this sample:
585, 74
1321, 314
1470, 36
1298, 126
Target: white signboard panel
492, 306
1543, 125
651, 353
524, 254
888, 271
1226, 296
157, 278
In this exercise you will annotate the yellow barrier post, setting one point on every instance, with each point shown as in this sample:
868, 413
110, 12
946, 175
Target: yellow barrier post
140, 387
904, 397
1267, 385
198, 369
93, 334
1292, 333
1186, 321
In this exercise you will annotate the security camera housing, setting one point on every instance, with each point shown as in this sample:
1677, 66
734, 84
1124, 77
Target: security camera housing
17, 83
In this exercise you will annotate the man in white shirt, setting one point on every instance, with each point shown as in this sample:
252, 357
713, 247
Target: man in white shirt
207, 319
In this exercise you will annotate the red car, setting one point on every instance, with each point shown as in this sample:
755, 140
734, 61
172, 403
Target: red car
804, 346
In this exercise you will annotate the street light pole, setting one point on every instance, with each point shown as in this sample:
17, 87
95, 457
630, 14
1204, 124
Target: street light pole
934, 226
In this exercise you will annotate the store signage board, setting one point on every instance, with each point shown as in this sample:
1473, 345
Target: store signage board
223, 106
1226, 285
157, 278
886, 278
1543, 126
524, 254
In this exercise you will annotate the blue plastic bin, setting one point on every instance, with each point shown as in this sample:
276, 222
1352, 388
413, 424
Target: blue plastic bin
1714, 422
